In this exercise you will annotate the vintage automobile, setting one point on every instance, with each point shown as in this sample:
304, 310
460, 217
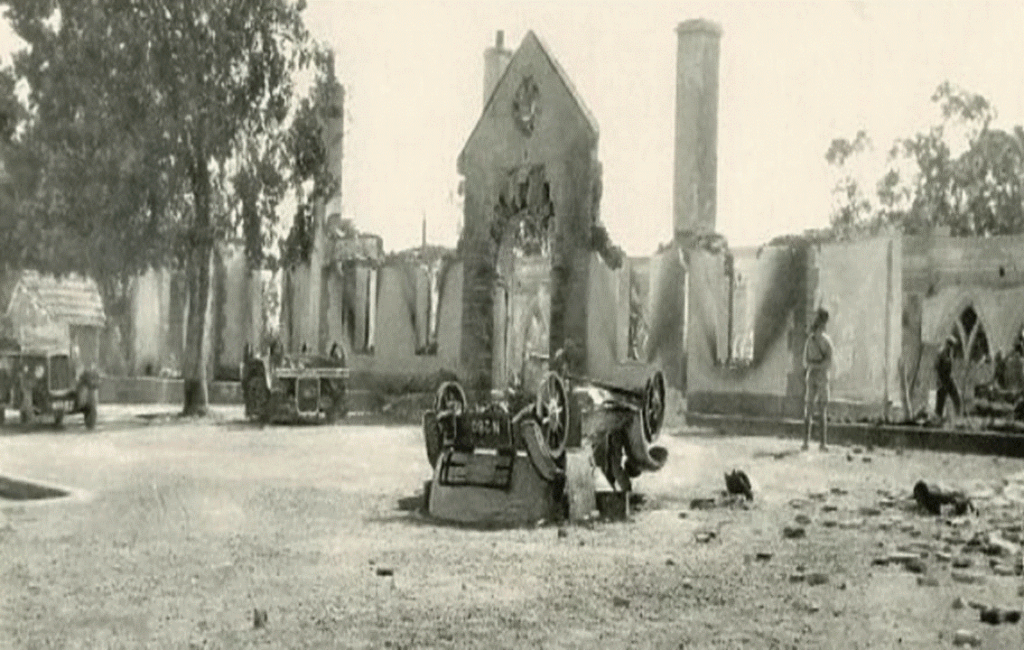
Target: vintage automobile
45, 383
294, 388
480, 454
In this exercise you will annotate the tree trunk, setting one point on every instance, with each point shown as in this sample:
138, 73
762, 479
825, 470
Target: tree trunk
198, 271
195, 353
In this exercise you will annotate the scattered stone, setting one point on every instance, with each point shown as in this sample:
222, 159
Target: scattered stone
797, 577
849, 458
829, 523
932, 496
737, 482
385, 571
619, 601
763, 556
1004, 570
1020, 591
901, 557
687, 584
813, 608
705, 536
683, 515
838, 491
851, 524
962, 562
793, 532
259, 619
915, 565
880, 561
996, 616
942, 557
999, 546
869, 511
582, 543
886, 503
866, 459
562, 533
702, 503
967, 577
815, 579
829, 507
958, 603
857, 450
670, 562
802, 519
966, 637
927, 581
798, 503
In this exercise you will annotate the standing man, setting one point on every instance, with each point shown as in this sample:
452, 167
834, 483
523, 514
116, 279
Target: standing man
944, 378
817, 363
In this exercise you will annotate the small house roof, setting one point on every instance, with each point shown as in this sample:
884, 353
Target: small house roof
71, 299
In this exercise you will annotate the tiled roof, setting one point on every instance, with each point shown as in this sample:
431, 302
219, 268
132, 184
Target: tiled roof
70, 299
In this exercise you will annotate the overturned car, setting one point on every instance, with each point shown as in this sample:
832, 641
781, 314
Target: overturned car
506, 461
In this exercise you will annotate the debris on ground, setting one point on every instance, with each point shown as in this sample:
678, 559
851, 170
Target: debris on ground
385, 571
738, 483
793, 532
996, 616
259, 618
932, 496
966, 637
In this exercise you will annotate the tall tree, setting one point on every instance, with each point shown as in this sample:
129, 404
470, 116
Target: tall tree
141, 110
960, 174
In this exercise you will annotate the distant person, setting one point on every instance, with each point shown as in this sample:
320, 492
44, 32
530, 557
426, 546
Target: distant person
817, 363
945, 386
1014, 374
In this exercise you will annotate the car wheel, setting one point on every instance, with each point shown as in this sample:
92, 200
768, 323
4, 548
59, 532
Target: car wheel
58, 418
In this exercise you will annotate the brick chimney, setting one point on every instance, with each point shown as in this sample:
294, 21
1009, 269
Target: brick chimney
495, 61
696, 150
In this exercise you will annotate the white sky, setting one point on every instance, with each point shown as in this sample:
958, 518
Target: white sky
794, 75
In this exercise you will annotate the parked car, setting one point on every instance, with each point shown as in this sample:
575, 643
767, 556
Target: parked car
294, 388
46, 383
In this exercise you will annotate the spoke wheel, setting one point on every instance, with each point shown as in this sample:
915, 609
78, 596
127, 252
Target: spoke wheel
653, 412
553, 413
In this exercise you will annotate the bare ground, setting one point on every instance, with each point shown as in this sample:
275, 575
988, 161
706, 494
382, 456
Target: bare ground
175, 533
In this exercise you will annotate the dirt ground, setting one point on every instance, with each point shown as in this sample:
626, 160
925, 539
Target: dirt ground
175, 533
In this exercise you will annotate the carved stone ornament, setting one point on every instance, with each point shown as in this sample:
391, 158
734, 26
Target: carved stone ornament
526, 105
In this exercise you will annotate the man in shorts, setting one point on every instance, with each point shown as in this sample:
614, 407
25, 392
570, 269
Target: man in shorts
817, 363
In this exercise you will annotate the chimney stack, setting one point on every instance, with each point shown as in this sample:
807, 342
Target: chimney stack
696, 151
495, 61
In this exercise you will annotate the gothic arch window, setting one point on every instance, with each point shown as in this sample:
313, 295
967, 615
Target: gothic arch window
969, 334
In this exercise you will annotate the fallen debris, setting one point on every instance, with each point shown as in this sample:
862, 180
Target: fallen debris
737, 482
793, 532
966, 637
997, 616
932, 496
967, 577
619, 601
815, 579
259, 619
385, 571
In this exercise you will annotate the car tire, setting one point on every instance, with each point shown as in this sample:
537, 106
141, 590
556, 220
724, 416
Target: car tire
58, 419
90, 416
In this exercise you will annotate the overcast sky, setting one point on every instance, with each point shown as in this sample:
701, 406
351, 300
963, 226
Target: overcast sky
794, 75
